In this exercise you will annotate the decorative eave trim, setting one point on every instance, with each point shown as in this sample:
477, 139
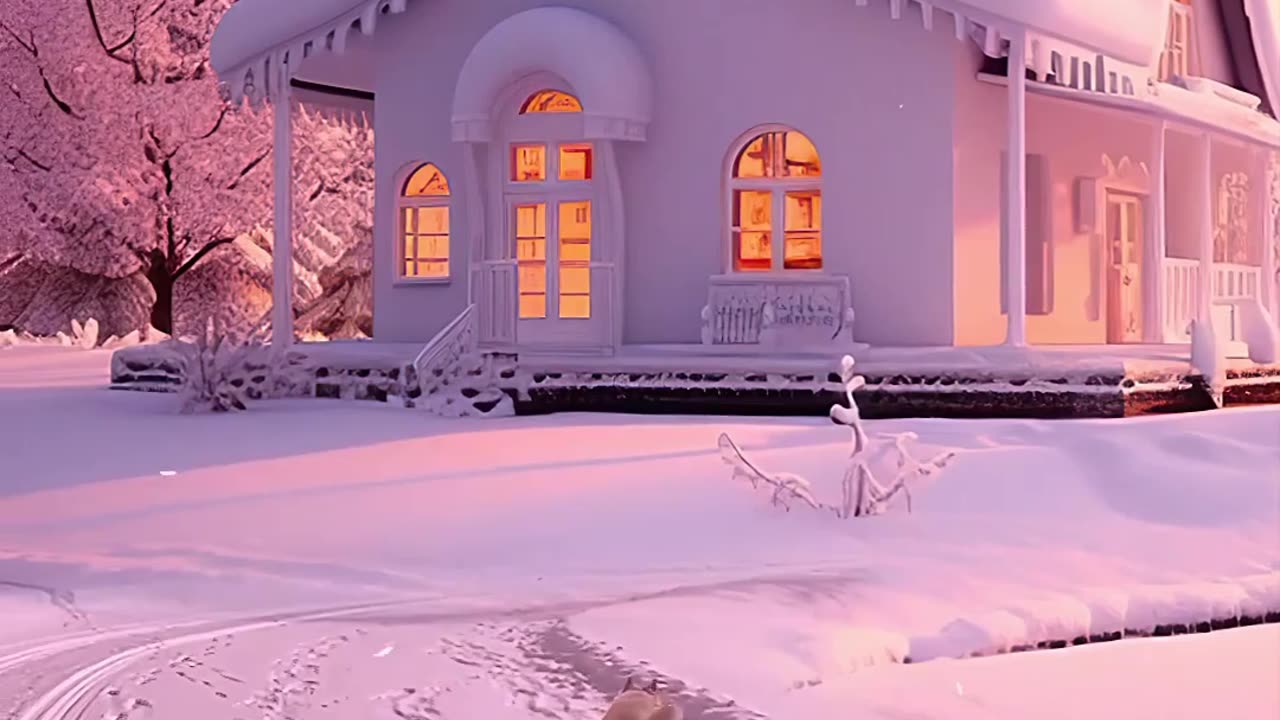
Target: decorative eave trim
267, 76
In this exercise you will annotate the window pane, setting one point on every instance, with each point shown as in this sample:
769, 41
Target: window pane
575, 220
531, 221
434, 269
800, 156
533, 278
408, 220
755, 160
752, 251
575, 162
575, 307
803, 251
433, 220
528, 163
426, 181
575, 280
533, 306
804, 210
409, 268
433, 247
551, 101
753, 209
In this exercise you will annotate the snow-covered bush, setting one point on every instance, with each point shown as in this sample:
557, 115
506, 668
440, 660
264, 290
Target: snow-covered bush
223, 373
1208, 359
862, 493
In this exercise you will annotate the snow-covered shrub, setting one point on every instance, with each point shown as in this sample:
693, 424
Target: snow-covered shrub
862, 493
224, 373
1208, 359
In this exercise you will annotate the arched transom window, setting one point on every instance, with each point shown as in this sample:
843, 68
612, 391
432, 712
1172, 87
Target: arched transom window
424, 225
550, 101
776, 203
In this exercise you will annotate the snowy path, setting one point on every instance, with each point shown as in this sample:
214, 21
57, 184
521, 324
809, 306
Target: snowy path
385, 667
319, 666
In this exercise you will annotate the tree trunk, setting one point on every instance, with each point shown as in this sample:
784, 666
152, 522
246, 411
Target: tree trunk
162, 282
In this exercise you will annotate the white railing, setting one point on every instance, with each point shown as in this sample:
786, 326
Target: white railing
1231, 283
1236, 282
441, 356
1181, 288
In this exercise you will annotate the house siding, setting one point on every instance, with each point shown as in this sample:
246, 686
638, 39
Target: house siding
874, 94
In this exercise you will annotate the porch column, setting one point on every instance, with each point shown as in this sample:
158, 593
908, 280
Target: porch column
1156, 242
1015, 269
1266, 171
282, 179
1204, 216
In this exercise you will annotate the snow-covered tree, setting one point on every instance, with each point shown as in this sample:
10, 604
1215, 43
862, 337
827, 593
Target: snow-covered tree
121, 159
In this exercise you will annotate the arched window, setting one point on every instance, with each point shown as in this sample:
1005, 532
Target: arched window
776, 203
551, 101
424, 225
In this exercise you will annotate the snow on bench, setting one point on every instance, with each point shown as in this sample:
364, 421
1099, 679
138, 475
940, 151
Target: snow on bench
778, 310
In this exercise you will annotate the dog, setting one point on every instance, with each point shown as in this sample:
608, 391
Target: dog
648, 703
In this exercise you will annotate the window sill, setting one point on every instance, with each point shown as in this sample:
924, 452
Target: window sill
404, 281
750, 276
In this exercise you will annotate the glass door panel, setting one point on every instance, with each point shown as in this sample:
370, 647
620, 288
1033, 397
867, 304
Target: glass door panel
531, 259
574, 259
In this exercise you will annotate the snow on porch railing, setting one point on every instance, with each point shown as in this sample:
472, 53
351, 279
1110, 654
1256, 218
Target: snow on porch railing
1181, 283
1236, 282
445, 351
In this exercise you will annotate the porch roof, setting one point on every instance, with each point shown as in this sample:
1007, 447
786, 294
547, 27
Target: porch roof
255, 36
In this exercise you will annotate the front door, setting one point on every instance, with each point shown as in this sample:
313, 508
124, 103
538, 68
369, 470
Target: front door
550, 210
1124, 235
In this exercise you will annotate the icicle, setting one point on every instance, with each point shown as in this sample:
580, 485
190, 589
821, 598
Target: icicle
991, 42
369, 17
340, 38
962, 26
397, 6
895, 9
926, 15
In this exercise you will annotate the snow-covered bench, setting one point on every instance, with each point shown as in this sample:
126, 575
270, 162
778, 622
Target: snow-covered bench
791, 311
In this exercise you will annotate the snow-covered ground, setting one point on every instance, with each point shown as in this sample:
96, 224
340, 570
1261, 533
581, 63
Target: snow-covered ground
623, 542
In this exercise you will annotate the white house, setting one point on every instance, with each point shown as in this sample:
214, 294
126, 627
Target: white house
764, 176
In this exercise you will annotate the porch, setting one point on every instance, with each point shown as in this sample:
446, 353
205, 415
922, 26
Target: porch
1042, 382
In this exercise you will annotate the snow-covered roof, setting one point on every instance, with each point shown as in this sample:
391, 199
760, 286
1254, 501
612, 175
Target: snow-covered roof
1130, 31
1264, 21
252, 29
604, 68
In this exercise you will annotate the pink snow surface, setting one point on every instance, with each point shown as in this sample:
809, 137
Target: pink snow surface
1037, 531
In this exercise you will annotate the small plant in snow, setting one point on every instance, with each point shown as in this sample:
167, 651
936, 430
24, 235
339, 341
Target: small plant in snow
862, 493
223, 373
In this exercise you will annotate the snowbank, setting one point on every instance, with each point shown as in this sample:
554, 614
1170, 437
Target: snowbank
1038, 531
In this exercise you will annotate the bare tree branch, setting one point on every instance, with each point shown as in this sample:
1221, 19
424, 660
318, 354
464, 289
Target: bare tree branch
25, 156
9, 262
29, 46
249, 168
208, 248
97, 30
216, 126
57, 101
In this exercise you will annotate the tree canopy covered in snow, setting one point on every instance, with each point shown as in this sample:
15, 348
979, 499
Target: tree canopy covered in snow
131, 170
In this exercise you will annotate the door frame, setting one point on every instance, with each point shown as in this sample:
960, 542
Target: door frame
1113, 302
497, 243
1126, 177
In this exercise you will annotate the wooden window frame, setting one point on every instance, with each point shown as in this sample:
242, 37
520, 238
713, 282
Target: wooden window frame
778, 188
413, 202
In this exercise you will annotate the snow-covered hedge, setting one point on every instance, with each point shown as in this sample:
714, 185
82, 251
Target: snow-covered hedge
85, 336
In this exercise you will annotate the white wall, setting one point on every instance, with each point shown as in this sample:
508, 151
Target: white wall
1073, 137
874, 94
